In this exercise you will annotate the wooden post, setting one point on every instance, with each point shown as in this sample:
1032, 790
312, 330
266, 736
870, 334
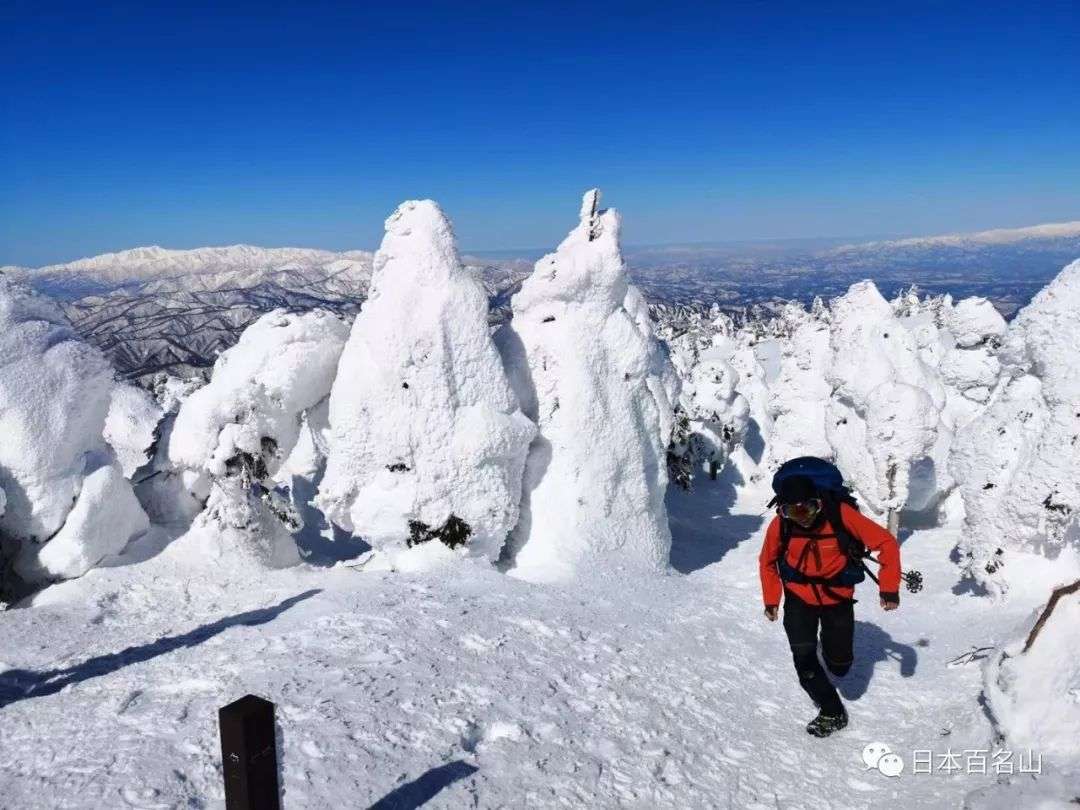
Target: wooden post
249, 754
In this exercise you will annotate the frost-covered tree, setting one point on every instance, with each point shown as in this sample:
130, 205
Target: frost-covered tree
426, 438
587, 371
799, 393
170, 493
56, 470
1019, 462
711, 419
235, 431
895, 458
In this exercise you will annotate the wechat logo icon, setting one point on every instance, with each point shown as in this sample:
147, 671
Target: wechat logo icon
878, 756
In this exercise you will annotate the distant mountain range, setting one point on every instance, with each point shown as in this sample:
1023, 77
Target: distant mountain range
153, 309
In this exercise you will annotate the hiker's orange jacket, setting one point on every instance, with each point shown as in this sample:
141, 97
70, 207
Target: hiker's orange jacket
829, 559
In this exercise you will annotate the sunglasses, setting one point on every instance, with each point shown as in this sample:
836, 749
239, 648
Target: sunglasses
803, 510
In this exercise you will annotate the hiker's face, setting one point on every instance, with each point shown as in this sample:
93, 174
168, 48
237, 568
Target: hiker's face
804, 513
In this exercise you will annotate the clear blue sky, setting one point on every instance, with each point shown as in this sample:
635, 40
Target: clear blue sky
305, 124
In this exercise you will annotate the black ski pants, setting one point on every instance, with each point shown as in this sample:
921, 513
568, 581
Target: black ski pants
837, 623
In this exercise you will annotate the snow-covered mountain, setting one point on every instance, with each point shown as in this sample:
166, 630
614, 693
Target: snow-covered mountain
150, 269
1006, 266
151, 309
997, 236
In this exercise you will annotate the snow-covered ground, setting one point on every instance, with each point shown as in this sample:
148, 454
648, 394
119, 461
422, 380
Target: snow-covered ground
455, 683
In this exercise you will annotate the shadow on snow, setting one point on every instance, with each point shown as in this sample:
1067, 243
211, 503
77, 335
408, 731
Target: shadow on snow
703, 529
424, 788
22, 684
873, 646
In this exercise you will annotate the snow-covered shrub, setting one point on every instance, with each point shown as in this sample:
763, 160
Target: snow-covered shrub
587, 371
131, 424
237, 430
1019, 462
426, 438
54, 462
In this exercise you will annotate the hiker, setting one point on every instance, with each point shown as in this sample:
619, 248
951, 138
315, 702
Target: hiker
813, 556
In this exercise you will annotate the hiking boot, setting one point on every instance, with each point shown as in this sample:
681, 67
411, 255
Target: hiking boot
825, 724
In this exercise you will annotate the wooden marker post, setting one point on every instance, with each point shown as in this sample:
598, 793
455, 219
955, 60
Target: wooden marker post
249, 754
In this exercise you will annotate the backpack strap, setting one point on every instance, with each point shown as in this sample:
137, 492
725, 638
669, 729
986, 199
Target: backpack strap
852, 547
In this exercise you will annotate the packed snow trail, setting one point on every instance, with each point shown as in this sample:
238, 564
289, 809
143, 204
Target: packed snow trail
673, 693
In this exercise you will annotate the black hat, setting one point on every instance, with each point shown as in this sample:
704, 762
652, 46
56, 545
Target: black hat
795, 489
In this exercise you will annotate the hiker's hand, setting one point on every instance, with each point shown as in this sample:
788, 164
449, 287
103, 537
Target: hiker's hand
771, 612
887, 605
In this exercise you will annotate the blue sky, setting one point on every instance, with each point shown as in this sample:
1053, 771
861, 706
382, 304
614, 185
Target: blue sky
279, 124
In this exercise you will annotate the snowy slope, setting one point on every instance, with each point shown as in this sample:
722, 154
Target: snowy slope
487, 690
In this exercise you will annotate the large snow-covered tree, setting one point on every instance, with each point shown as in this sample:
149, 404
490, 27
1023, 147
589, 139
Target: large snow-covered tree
1019, 462
587, 371
426, 438
236, 430
67, 503
882, 419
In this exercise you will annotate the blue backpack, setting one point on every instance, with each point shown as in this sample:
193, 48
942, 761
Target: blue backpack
825, 475
829, 482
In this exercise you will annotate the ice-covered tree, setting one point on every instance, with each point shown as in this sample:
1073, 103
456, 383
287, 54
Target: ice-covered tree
426, 438
1019, 462
895, 458
236, 431
715, 414
799, 394
56, 469
586, 370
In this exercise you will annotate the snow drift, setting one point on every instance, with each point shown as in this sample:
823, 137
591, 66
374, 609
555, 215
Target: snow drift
1032, 691
588, 373
426, 437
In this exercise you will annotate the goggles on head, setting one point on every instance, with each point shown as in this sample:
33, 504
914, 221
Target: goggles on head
803, 511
